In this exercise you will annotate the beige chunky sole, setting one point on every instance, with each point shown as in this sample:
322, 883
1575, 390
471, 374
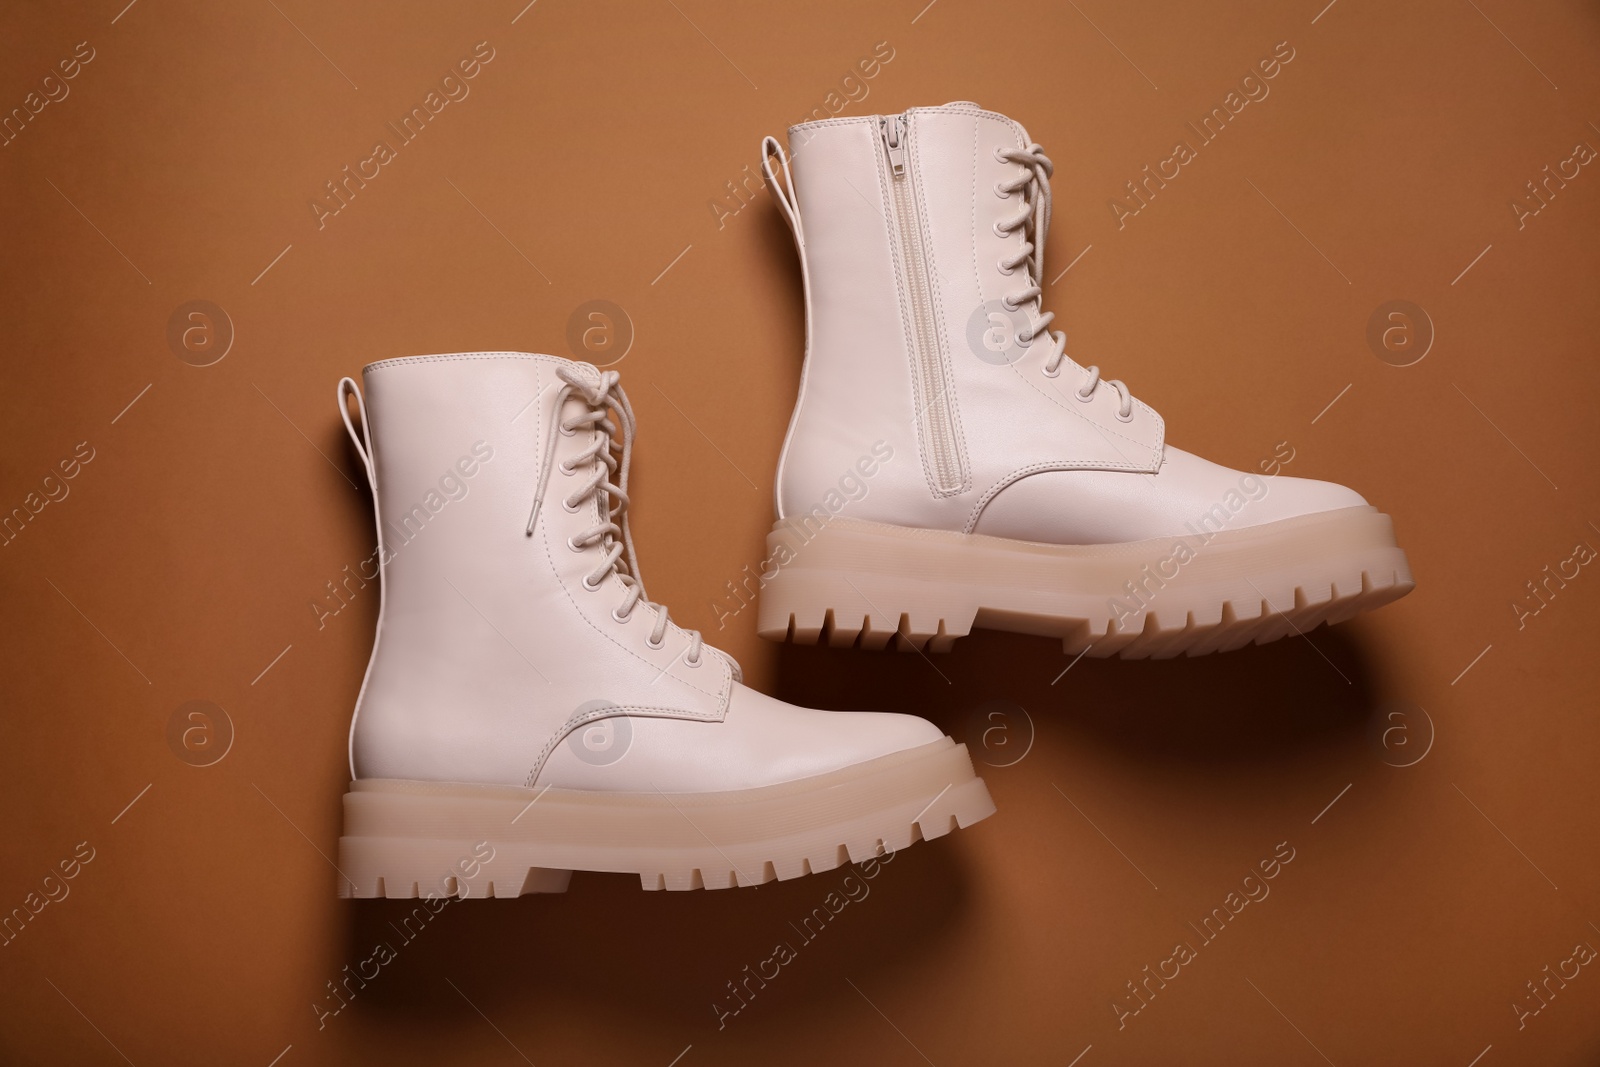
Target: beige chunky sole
870, 584
407, 838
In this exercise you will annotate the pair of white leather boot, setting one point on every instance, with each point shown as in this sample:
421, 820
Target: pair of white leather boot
528, 712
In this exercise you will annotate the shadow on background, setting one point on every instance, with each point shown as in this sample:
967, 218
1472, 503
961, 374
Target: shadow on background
1292, 698
607, 948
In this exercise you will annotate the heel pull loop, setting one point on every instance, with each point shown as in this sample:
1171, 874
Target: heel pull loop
363, 443
784, 190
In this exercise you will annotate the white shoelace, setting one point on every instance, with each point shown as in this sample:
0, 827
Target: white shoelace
619, 557
1034, 220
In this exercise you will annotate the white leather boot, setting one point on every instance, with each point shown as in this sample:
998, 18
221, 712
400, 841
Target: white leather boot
527, 712
1024, 492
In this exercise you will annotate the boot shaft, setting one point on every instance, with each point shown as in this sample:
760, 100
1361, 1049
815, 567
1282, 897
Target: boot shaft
902, 223
456, 450
501, 628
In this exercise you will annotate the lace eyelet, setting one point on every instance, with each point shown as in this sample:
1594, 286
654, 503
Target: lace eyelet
1001, 191
568, 506
1083, 397
694, 662
1006, 302
595, 588
998, 232
1124, 418
574, 545
619, 617
1000, 154
656, 645
1048, 373
564, 429
1000, 265
564, 469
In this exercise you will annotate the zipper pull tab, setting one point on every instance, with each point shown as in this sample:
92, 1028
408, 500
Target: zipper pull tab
894, 144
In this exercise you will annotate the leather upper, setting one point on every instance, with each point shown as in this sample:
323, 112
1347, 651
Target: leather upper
1188, 492
759, 741
1037, 460
492, 654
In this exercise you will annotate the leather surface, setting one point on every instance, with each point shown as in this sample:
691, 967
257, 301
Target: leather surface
759, 741
1011, 420
1042, 462
491, 652
857, 384
1102, 507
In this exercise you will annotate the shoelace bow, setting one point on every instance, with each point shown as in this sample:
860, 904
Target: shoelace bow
619, 558
1034, 220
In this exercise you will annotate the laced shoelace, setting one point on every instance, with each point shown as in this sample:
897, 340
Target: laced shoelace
1034, 221
618, 555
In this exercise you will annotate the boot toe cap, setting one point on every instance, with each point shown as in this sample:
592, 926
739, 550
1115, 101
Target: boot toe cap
1107, 507
1293, 497
792, 742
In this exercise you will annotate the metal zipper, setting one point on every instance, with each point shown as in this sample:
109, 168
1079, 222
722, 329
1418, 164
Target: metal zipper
938, 419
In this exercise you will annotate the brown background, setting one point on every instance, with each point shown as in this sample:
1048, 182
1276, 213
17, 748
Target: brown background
586, 158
